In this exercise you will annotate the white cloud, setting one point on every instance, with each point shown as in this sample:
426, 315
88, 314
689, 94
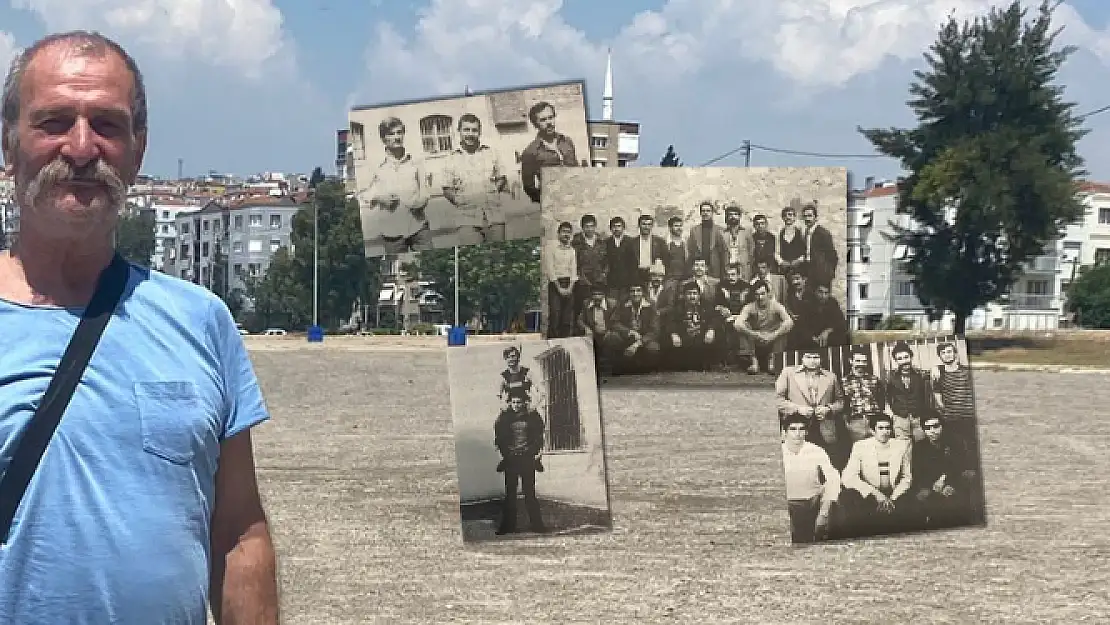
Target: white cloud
243, 35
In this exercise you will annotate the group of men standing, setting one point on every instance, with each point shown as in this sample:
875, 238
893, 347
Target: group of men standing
893, 453
474, 180
704, 298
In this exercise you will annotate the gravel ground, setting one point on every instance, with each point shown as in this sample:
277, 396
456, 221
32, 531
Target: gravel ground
358, 476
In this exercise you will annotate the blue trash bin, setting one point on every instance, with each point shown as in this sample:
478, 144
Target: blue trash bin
456, 336
315, 334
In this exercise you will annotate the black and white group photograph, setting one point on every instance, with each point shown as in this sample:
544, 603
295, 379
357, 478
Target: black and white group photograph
880, 439
461, 170
529, 442
695, 269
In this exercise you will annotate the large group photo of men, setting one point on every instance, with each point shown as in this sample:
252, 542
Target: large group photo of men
715, 286
879, 439
464, 170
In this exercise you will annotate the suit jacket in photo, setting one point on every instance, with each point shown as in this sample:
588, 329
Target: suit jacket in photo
745, 245
658, 252
915, 400
822, 255
678, 260
716, 254
504, 433
797, 392
764, 249
593, 320
949, 457
624, 270
691, 322
828, 315
645, 320
592, 263
662, 300
710, 290
861, 474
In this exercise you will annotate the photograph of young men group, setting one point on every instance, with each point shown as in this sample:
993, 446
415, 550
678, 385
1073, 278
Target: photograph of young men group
683, 269
527, 421
461, 170
879, 439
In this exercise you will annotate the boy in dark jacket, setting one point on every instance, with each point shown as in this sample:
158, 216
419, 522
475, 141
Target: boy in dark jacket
518, 435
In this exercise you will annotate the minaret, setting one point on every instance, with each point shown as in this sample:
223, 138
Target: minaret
607, 97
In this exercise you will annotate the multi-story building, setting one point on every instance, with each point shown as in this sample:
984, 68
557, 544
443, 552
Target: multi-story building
165, 210
341, 143
237, 238
612, 143
879, 288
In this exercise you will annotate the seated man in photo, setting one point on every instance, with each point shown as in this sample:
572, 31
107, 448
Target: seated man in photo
732, 296
692, 329
593, 321
944, 477
766, 323
826, 325
633, 333
799, 302
877, 480
519, 437
812, 483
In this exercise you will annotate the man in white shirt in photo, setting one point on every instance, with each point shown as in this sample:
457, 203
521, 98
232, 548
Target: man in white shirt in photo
876, 481
812, 483
561, 272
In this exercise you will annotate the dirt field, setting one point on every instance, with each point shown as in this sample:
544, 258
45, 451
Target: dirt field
358, 474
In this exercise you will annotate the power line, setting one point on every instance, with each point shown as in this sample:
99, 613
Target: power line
748, 146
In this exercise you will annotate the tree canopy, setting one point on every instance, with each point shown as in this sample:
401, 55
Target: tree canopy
670, 159
497, 281
992, 161
1089, 297
135, 236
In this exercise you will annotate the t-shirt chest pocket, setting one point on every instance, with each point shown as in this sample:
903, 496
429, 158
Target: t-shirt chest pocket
168, 416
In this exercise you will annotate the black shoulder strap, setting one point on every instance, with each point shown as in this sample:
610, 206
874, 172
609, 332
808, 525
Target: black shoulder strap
32, 445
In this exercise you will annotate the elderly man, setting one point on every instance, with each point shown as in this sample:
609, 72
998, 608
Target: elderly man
143, 503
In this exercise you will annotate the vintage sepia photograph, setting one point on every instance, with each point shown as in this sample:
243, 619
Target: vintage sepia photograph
461, 170
679, 269
528, 439
879, 439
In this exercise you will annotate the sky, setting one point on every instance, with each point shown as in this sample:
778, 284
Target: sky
249, 86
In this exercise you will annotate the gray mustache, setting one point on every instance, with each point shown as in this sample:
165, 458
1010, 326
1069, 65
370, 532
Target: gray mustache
60, 171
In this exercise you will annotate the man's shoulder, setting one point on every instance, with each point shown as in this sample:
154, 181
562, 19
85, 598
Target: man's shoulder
153, 287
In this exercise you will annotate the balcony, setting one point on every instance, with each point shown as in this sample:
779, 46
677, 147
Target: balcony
907, 302
1043, 264
1026, 301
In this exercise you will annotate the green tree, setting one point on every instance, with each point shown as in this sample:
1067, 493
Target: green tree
345, 276
992, 162
670, 159
498, 280
278, 296
135, 236
316, 178
1089, 297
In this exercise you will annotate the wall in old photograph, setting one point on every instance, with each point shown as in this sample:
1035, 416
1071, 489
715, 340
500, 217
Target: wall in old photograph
431, 134
663, 192
574, 476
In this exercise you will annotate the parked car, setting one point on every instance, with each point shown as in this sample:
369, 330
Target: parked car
275, 332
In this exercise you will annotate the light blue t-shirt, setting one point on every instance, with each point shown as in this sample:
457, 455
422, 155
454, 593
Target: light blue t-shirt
114, 527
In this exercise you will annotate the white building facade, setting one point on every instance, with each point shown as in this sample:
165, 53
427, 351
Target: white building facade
879, 288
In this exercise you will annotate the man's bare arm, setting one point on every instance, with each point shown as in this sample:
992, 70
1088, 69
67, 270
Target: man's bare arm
244, 566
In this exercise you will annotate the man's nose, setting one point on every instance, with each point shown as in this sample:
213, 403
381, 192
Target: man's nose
81, 146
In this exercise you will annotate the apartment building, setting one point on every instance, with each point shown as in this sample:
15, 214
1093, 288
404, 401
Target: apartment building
237, 237
879, 288
612, 143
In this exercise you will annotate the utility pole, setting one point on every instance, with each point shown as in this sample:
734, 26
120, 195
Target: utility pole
747, 153
456, 283
315, 260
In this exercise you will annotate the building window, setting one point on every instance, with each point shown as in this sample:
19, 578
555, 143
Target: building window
1102, 255
238, 222
205, 224
1037, 287
851, 253
185, 228
238, 270
184, 274
564, 425
216, 224
184, 251
865, 254
204, 249
863, 291
254, 246
165, 229
274, 245
622, 163
275, 222
907, 288
599, 163
204, 273
256, 221
165, 214
1104, 215
252, 270
435, 130
237, 247
599, 142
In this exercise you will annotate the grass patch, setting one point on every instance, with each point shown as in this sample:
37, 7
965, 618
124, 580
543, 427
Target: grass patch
1082, 348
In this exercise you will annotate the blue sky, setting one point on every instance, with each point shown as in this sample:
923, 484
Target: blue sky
245, 86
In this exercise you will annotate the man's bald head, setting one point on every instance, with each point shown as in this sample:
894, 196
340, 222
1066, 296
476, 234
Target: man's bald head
79, 43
